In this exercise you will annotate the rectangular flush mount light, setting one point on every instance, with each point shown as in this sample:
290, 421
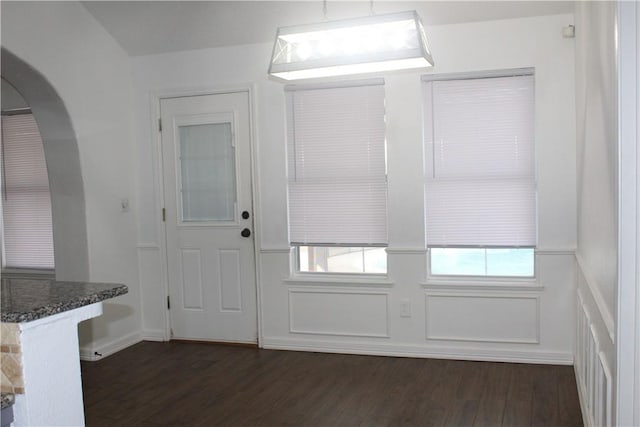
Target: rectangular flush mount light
374, 43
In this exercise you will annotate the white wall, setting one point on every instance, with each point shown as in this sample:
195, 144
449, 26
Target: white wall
11, 99
91, 74
596, 98
490, 321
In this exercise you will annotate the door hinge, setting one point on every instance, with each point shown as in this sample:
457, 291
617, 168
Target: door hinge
168, 302
164, 215
159, 125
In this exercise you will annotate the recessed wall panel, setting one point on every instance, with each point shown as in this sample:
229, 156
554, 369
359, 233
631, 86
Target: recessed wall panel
463, 317
231, 295
191, 266
339, 313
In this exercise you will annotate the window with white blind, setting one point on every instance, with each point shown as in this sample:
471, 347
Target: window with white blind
480, 186
27, 236
337, 181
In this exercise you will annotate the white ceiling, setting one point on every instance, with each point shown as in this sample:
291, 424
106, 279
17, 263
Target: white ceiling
149, 27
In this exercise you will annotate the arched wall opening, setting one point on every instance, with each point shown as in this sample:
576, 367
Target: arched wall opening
63, 166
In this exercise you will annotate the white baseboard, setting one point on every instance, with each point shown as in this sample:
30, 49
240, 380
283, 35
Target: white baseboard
153, 335
104, 350
424, 351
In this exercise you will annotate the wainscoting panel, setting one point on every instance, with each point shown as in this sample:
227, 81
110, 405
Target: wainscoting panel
230, 289
339, 313
592, 372
191, 268
498, 318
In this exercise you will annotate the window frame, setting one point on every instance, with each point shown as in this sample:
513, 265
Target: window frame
464, 278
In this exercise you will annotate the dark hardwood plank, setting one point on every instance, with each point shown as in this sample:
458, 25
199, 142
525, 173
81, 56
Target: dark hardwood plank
517, 413
473, 381
462, 413
545, 397
196, 384
490, 413
568, 403
521, 383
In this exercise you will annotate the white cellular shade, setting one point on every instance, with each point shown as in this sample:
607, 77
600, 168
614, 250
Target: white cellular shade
479, 162
337, 168
26, 202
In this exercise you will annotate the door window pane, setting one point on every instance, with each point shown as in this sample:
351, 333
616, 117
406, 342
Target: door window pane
208, 173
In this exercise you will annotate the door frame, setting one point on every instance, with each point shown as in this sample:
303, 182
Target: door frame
627, 340
156, 98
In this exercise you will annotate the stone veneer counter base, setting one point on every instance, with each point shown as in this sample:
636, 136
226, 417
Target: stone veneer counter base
25, 300
7, 400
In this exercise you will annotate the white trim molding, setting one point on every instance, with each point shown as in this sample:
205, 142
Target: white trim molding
344, 332
406, 251
627, 340
593, 374
148, 246
606, 315
156, 335
482, 285
385, 348
276, 250
558, 251
91, 354
335, 281
430, 335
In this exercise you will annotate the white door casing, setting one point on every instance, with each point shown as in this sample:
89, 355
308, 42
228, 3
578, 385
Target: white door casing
206, 162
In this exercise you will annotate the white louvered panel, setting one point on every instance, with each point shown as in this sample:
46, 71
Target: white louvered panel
26, 204
480, 162
337, 166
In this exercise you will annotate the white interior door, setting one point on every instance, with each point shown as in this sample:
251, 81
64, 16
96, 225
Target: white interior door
206, 158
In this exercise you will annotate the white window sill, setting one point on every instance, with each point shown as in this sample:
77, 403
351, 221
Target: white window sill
483, 284
324, 279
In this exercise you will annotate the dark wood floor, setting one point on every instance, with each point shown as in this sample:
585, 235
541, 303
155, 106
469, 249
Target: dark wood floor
205, 384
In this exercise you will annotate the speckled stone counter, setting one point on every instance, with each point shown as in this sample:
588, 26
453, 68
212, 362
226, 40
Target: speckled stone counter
25, 300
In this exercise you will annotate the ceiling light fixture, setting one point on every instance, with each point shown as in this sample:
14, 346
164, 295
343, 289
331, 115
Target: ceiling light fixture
375, 43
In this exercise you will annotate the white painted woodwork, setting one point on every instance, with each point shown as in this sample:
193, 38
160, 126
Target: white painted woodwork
593, 374
532, 42
191, 283
210, 266
627, 379
230, 280
498, 318
341, 313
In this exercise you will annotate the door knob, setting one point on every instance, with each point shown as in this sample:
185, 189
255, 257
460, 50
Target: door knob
245, 233
245, 214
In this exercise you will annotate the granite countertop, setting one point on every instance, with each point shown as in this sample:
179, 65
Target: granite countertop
24, 300
7, 400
